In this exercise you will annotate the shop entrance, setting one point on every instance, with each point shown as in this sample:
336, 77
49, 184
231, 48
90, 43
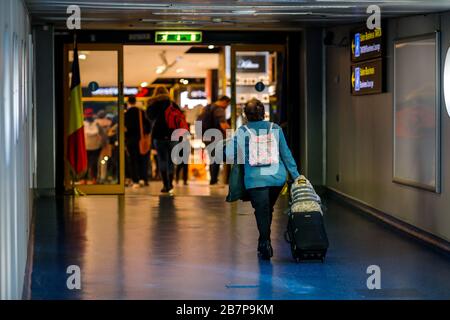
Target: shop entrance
100, 65
193, 75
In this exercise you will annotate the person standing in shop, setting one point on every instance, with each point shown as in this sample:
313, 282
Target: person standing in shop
95, 138
137, 126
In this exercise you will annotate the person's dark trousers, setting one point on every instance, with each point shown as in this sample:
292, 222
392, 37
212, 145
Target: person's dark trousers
135, 159
165, 164
143, 167
93, 156
263, 199
214, 168
182, 167
114, 162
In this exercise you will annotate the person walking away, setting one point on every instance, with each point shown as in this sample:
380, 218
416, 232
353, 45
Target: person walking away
166, 116
161, 136
183, 168
95, 138
137, 127
265, 167
214, 117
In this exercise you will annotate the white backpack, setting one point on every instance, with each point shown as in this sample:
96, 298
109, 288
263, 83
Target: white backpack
263, 149
92, 135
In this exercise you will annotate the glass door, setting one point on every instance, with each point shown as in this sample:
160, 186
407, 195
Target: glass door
256, 74
101, 77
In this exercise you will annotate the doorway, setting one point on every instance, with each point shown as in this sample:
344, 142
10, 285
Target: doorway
194, 75
103, 117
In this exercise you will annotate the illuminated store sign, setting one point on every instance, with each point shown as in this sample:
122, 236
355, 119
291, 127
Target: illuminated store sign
251, 64
367, 44
178, 36
108, 92
196, 94
367, 77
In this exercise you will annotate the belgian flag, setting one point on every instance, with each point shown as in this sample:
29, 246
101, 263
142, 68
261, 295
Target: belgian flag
76, 146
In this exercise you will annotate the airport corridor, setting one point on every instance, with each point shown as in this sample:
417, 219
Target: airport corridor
145, 246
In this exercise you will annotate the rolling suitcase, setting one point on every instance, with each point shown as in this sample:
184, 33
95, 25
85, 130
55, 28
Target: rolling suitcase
307, 236
306, 230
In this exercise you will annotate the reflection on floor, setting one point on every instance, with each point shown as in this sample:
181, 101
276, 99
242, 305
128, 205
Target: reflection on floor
194, 188
143, 246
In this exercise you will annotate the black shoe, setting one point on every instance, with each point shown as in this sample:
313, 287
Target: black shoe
265, 250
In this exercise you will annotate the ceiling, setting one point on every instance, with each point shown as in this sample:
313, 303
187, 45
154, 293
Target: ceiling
141, 63
222, 14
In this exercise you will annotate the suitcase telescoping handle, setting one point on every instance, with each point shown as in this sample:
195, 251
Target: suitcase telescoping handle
287, 237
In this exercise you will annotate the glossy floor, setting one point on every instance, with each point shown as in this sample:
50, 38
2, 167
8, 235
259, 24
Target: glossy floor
143, 246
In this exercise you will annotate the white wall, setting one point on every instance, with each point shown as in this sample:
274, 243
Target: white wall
16, 150
360, 135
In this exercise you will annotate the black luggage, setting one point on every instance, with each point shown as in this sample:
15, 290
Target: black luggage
307, 236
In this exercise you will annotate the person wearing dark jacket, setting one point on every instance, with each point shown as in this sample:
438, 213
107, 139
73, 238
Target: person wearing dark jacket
138, 161
161, 136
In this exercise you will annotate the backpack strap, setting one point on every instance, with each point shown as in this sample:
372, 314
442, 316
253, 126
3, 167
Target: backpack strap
141, 125
249, 131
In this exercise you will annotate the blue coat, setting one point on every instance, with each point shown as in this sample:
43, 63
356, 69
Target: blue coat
237, 150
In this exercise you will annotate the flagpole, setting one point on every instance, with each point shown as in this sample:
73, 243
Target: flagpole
74, 193
74, 189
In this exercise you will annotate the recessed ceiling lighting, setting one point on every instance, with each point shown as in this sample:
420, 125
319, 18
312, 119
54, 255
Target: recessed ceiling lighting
244, 11
185, 81
160, 69
82, 56
210, 47
144, 84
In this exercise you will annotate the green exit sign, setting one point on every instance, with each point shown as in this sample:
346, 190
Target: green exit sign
178, 36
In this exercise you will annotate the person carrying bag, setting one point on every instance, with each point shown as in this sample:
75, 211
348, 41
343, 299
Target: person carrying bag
137, 138
267, 160
145, 140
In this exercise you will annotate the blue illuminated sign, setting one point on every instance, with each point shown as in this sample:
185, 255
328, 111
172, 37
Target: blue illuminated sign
357, 79
357, 45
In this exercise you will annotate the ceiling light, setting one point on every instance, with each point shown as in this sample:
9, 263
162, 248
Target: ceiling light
160, 69
447, 81
210, 47
244, 11
144, 84
185, 81
82, 56
302, 13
